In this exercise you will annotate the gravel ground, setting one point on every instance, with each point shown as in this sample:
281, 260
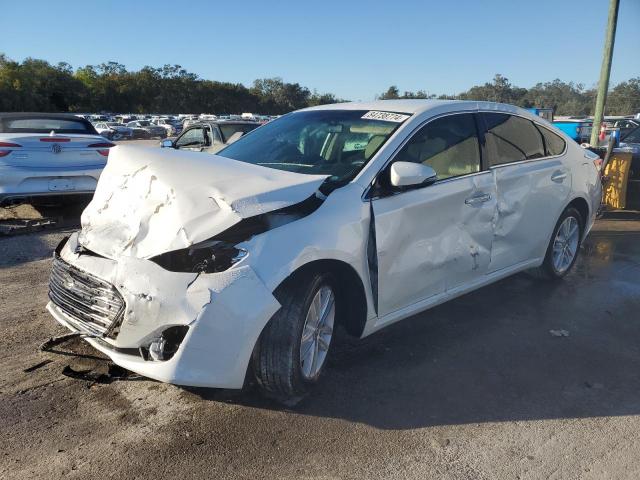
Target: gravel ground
476, 388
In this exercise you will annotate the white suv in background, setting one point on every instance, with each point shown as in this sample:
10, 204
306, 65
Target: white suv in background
199, 269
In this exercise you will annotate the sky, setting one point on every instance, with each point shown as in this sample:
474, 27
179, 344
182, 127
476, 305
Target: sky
354, 49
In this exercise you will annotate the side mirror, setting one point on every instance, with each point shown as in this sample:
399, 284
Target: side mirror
167, 144
409, 174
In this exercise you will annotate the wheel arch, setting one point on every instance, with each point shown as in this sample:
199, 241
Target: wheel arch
353, 312
582, 206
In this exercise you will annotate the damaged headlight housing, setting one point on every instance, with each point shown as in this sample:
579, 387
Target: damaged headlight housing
210, 256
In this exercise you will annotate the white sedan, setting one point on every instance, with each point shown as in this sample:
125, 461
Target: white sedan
199, 270
44, 154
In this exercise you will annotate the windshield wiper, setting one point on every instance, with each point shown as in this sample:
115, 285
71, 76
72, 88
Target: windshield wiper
287, 164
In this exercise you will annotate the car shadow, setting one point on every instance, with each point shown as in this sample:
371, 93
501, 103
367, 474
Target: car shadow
520, 349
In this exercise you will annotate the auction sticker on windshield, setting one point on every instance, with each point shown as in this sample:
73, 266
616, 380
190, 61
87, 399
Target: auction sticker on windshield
385, 116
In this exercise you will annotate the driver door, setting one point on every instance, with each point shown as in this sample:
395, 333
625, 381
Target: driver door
193, 139
438, 237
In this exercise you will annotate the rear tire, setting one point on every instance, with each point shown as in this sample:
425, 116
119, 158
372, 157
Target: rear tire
563, 247
282, 372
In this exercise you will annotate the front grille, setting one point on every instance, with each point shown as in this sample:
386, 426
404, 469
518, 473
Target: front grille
94, 305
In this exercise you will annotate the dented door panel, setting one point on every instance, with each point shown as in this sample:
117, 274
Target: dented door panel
432, 239
531, 196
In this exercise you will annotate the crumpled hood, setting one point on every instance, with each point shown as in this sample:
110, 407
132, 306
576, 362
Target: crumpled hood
150, 200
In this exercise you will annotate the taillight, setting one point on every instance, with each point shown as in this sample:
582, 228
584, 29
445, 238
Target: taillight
55, 139
9, 145
102, 148
598, 163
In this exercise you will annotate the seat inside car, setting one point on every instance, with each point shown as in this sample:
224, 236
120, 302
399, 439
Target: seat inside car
373, 145
448, 151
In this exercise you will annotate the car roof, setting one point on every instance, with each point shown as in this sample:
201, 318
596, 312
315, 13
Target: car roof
418, 106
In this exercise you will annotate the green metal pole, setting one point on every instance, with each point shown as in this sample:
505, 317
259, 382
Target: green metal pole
605, 70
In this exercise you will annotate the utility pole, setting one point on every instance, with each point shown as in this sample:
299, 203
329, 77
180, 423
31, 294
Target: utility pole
605, 70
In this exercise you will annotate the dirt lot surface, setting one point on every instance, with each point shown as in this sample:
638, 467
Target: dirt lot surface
476, 388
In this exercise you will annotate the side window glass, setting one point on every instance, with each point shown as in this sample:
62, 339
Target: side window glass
511, 139
449, 145
215, 136
191, 138
554, 143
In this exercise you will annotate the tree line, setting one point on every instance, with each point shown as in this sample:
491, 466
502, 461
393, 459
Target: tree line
565, 98
37, 85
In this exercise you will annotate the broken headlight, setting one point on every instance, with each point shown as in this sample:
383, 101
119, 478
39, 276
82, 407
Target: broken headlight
210, 256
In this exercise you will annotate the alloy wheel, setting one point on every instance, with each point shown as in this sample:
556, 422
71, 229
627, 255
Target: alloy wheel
565, 245
317, 332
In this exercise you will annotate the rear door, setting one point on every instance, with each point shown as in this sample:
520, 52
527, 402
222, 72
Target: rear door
532, 185
437, 237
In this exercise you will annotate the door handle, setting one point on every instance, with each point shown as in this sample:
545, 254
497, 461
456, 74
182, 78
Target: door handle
478, 199
558, 176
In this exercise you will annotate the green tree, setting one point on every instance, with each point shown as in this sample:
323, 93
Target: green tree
499, 90
624, 98
391, 94
564, 98
36, 85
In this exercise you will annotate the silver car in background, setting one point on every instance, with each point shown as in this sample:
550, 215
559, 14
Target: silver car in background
44, 154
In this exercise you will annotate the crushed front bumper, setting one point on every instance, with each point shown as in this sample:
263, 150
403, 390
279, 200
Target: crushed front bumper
224, 312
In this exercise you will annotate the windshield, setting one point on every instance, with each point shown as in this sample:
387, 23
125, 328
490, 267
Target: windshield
229, 130
319, 142
144, 123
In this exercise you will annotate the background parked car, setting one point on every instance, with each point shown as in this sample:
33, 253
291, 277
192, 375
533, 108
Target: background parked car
114, 130
626, 125
210, 137
577, 129
172, 127
44, 154
187, 122
152, 131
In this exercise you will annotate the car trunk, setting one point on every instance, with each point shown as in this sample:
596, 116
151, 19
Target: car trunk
55, 151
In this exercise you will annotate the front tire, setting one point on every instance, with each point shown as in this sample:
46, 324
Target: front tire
564, 246
293, 348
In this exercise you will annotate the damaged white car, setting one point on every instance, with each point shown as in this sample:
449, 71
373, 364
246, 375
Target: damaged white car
201, 270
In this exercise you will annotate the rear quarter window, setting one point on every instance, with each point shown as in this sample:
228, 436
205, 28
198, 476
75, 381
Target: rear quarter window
554, 144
